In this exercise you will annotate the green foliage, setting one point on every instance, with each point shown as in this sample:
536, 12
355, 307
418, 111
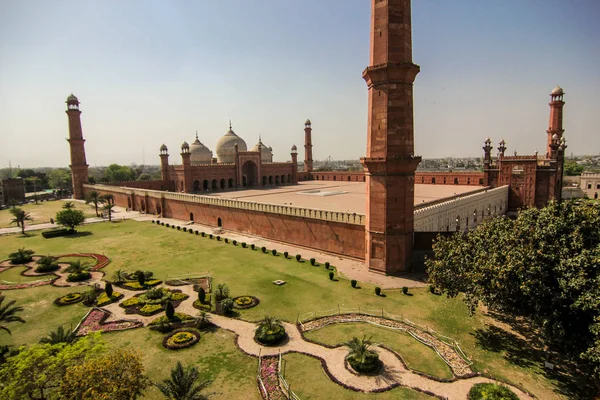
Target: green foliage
93, 197
274, 252
286, 254
108, 289
60, 335
326, 264
67, 205
56, 233
218, 238
432, 289
201, 295
76, 267
104, 299
221, 292
360, 356
70, 298
71, 218
119, 173
234, 242
331, 275
78, 277
169, 311
117, 375
353, 283
132, 301
378, 291
89, 297
184, 384
252, 246
178, 317
36, 372
298, 257
270, 331
119, 276
21, 256
543, 266
108, 207
263, 249
59, 178
141, 278
226, 305
490, 391
8, 314
20, 216
203, 320
244, 245
46, 264
571, 168
226, 240
151, 309
404, 290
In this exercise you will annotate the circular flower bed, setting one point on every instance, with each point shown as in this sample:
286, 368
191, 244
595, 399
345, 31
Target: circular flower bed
270, 337
67, 299
152, 301
79, 277
370, 365
181, 339
244, 302
491, 391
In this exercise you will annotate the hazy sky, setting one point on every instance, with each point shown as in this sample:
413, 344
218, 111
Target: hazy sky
149, 72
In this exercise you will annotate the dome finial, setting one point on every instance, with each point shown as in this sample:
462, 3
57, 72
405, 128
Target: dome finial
196, 135
230, 124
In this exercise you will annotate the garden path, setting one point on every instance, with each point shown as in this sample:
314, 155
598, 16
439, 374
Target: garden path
394, 370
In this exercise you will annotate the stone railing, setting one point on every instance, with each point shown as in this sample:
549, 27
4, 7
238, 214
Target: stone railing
334, 216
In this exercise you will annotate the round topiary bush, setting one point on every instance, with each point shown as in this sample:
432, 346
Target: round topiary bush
210, 236
431, 289
326, 264
197, 232
264, 249
244, 245
226, 240
331, 275
173, 227
178, 228
274, 252
168, 225
286, 254
152, 221
298, 257
162, 224
313, 261
192, 231
184, 229
252, 246
234, 242
218, 238
181, 339
404, 290
353, 283
270, 332
378, 291
491, 391
203, 234
67, 299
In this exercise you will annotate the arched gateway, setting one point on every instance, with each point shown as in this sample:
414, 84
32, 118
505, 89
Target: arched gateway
249, 173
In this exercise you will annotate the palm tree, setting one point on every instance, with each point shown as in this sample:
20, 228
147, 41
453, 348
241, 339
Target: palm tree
76, 267
68, 205
119, 276
183, 384
14, 212
109, 198
203, 320
7, 314
221, 292
269, 323
60, 335
108, 207
20, 218
95, 198
361, 357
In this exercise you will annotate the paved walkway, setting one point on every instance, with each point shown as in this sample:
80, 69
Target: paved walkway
347, 267
394, 370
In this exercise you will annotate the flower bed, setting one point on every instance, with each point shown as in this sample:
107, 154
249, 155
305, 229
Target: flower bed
181, 339
270, 337
135, 285
178, 317
269, 379
84, 276
68, 299
148, 310
152, 301
104, 300
202, 306
491, 391
245, 302
95, 321
101, 261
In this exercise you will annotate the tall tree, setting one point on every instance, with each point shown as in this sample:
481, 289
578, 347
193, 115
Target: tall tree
543, 266
119, 173
118, 375
20, 217
8, 314
95, 198
183, 385
59, 178
109, 208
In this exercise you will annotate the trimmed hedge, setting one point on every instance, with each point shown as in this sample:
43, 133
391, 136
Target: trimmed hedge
244, 245
313, 261
264, 249
234, 242
68, 299
378, 291
326, 264
353, 283
252, 246
298, 257
79, 277
274, 252
286, 254
57, 233
331, 275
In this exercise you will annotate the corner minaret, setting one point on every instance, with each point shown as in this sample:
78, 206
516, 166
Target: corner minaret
390, 163
79, 167
556, 117
308, 160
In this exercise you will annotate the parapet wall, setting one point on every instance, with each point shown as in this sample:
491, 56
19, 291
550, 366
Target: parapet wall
470, 178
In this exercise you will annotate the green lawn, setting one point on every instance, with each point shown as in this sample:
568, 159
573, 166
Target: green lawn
14, 275
307, 379
168, 253
418, 356
42, 212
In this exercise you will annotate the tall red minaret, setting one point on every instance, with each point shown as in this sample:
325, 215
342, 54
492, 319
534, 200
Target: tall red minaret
308, 160
556, 117
390, 163
79, 167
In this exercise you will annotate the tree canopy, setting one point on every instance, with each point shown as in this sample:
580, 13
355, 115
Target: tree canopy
71, 218
571, 168
544, 265
119, 173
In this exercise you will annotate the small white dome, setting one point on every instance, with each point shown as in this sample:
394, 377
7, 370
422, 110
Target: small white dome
557, 91
266, 152
200, 153
226, 146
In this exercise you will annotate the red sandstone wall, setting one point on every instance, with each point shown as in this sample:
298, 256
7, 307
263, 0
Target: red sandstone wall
150, 185
423, 178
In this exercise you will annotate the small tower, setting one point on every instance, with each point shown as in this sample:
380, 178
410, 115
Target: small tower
187, 167
556, 117
164, 164
501, 148
294, 154
79, 167
308, 160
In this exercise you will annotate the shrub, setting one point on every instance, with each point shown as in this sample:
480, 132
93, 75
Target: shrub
203, 234
169, 311
244, 245
152, 221
184, 229
270, 332
89, 297
226, 240
353, 283
178, 317
326, 264
178, 228
298, 257
150, 309
218, 238
173, 227
210, 236
56, 233
178, 296
133, 301
404, 290
154, 294
197, 233
191, 231
245, 302
331, 274
226, 305
47, 264
378, 291
168, 225
274, 252
141, 278
234, 242
21, 256
252, 246
78, 277
312, 261
158, 222
108, 289
431, 289
67, 299
490, 391
162, 224
201, 295
264, 249
136, 286
286, 254
103, 299
181, 339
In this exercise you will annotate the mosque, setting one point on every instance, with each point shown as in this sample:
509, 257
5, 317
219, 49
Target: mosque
385, 215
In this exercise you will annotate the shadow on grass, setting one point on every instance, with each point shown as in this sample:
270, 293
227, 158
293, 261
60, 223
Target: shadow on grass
77, 234
569, 380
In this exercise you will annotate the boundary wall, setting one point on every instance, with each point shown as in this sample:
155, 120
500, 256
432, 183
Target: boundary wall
463, 178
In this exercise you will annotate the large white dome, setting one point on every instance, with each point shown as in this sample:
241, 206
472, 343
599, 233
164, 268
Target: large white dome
226, 146
200, 154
